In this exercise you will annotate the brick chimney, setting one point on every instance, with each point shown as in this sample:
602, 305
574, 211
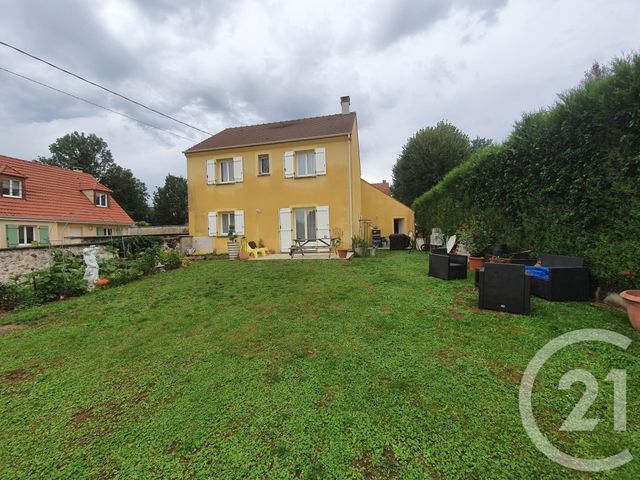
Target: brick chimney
344, 103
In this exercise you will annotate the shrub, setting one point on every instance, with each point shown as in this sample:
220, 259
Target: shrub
565, 181
172, 259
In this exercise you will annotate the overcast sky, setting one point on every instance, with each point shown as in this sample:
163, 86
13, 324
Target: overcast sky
215, 64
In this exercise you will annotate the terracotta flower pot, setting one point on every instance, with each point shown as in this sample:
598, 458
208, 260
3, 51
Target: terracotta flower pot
243, 255
476, 262
633, 307
342, 252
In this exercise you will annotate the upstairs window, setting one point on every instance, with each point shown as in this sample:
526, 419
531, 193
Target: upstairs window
226, 171
306, 163
263, 164
12, 188
101, 199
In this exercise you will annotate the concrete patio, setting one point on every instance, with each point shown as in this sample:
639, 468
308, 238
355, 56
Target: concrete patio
307, 256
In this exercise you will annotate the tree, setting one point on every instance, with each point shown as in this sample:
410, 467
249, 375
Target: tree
130, 193
479, 143
426, 158
170, 202
88, 153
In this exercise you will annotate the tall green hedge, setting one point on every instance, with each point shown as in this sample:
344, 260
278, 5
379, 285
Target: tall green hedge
566, 181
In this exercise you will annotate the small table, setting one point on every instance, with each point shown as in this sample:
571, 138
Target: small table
299, 245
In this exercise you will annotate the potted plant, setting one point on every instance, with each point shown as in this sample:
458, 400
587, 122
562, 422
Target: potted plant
336, 242
477, 239
359, 245
232, 245
632, 298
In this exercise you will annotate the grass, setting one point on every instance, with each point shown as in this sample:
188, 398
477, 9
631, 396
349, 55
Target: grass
305, 369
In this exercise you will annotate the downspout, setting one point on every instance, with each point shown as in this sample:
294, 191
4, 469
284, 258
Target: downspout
350, 191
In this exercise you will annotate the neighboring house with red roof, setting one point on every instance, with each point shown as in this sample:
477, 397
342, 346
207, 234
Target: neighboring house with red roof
46, 205
384, 187
295, 181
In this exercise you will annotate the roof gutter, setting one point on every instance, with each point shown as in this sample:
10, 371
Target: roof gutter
65, 220
256, 144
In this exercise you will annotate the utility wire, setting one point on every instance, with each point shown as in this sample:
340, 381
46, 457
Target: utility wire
94, 104
100, 86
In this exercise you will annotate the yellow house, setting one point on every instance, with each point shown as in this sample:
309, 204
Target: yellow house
278, 182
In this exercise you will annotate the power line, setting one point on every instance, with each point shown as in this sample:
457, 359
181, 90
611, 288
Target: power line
103, 88
94, 104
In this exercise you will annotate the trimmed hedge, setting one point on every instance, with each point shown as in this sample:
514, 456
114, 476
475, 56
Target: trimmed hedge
566, 181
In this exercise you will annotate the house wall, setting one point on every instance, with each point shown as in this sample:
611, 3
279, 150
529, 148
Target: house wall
261, 197
58, 231
381, 209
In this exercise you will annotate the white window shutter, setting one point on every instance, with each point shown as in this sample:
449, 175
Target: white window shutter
213, 224
322, 222
285, 229
321, 162
239, 221
288, 164
237, 169
211, 172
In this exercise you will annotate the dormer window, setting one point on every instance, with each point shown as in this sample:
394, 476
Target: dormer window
101, 199
12, 188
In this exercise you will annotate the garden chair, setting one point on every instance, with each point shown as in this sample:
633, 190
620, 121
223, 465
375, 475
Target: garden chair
445, 266
252, 249
504, 287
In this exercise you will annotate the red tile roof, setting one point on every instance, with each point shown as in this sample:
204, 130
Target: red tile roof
54, 193
384, 187
316, 127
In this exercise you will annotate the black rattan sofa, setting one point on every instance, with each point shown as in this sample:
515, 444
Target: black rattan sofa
447, 267
505, 287
568, 279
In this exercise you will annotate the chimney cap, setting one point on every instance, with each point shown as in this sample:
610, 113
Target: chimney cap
344, 103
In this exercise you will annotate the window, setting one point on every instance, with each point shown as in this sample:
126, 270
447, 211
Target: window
305, 219
306, 163
12, 188
26, 235
105, 231
226, 171
263, 164
101, 199
226, 219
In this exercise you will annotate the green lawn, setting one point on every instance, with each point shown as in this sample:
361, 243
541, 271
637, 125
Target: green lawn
299, 369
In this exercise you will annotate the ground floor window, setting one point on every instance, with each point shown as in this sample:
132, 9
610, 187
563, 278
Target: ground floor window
105, 231
26, 235
227, 219
305, 222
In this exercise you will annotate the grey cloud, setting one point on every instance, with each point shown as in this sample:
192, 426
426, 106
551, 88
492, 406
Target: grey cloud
68, 33
401, 18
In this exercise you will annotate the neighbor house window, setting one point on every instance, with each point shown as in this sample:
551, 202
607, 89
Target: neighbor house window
226, 171
306, 163
263, 164
12, 188
305, 219
101, 199
26, 235
105, 231
226, 220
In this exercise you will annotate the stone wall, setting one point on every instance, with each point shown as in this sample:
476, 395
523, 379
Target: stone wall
20, 261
